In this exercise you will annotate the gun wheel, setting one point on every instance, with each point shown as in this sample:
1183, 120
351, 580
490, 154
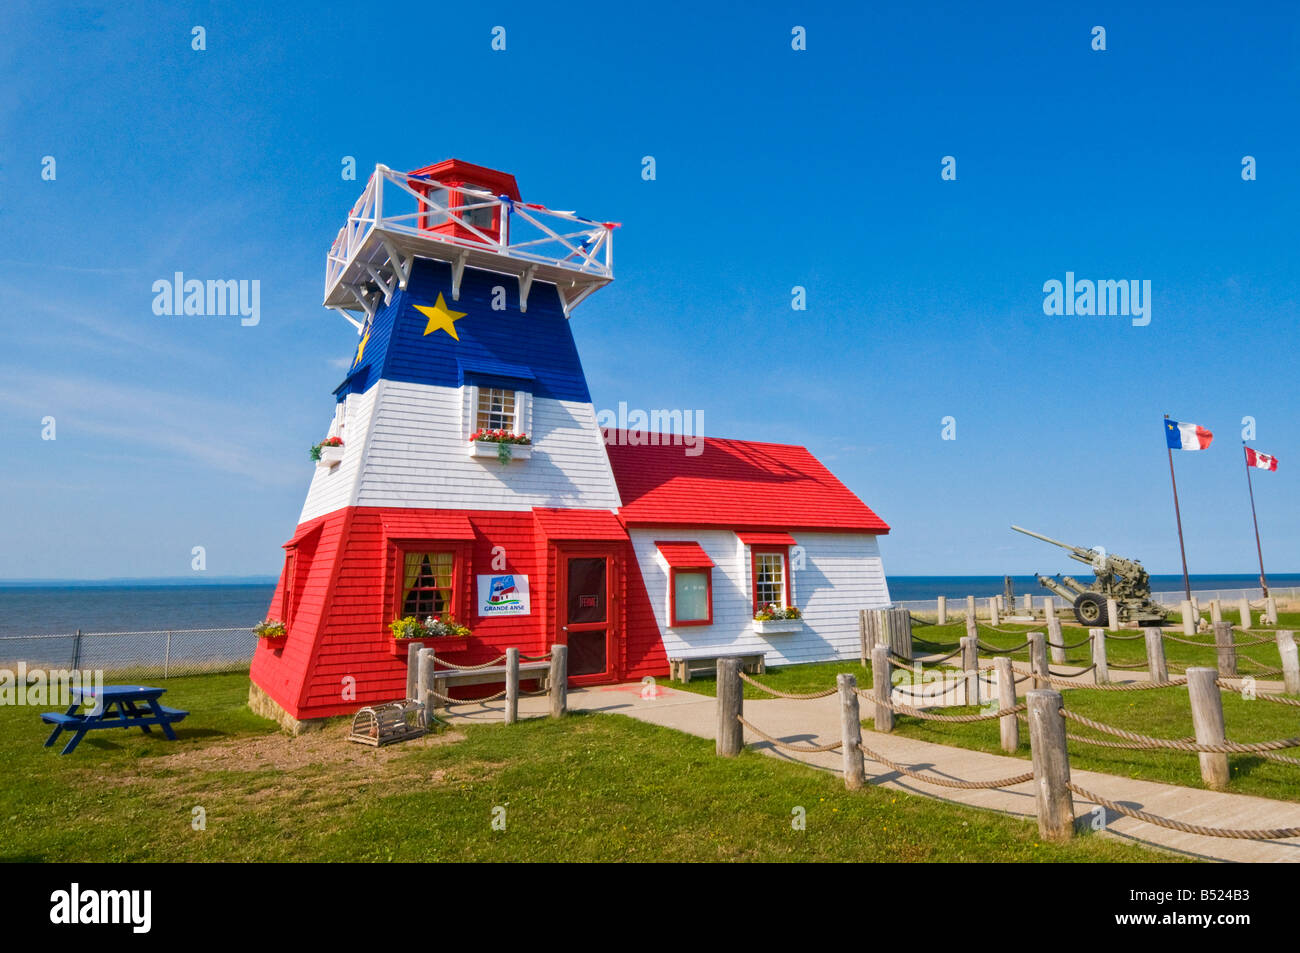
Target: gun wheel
1090, 609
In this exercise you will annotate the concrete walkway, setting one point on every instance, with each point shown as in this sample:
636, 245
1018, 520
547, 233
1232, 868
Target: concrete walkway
817, 722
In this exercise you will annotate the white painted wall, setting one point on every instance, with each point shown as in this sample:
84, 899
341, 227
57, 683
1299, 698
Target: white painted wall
842, 573
406, 446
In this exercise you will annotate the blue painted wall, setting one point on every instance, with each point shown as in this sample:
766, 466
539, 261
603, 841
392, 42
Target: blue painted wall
533, 351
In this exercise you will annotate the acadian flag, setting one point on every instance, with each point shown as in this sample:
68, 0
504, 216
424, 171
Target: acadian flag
1262, 460
1186, 436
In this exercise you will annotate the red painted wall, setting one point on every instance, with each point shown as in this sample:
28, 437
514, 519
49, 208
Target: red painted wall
338, 625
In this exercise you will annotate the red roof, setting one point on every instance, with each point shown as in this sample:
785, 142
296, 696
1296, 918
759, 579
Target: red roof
685, 555
734, 483
429, 524
578, 524
766, 539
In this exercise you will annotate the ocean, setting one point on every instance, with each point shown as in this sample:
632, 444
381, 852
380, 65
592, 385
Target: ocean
46, 609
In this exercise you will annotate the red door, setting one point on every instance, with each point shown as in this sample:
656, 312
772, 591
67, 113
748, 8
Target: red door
587, 616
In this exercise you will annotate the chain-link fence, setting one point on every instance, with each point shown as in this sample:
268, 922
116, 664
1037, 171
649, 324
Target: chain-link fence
162, 654
1172, 600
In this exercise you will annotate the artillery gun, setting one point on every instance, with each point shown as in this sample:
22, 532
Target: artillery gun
1123, 580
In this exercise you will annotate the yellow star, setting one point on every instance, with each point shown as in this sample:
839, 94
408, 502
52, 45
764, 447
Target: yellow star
441, 318
361, 349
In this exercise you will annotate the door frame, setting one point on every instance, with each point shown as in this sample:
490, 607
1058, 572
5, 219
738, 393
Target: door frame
612, 554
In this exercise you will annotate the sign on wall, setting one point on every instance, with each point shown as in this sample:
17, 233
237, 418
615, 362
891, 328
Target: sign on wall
504, 594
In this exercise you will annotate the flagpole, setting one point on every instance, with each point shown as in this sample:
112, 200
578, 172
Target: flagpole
1182, 550
1263, 580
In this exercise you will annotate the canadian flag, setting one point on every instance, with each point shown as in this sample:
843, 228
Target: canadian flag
1262, 460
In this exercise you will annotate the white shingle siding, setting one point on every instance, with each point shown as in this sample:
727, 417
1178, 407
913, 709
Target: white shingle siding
412, 440
842, 573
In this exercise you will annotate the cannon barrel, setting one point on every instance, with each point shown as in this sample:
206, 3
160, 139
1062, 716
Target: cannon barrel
1079, 552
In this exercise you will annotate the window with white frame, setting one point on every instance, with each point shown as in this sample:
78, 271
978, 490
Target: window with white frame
770, 578
496, 410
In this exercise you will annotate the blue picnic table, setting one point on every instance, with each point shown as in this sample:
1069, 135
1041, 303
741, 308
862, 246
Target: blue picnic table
115, 706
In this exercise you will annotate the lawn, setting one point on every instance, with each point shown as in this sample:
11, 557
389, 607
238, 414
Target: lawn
1164, 713
586, 787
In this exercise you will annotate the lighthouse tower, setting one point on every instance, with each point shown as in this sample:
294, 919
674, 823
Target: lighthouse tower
460, 293
464, 477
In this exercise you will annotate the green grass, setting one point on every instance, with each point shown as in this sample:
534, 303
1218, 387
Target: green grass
586, 787
1164, 713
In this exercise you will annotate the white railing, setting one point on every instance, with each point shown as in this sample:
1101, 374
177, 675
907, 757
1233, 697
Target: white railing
528, 232
957, 605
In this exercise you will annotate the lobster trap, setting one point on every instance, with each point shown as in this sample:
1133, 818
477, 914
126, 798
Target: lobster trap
380, 725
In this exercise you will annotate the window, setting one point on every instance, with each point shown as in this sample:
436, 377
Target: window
290, 571
770, 575
484, 219
428, 583
692, 597
496, 409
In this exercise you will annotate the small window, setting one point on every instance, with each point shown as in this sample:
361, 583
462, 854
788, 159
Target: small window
428, 583
692, 602
496, 409
432, 215
770, 578
290, 571
484, 219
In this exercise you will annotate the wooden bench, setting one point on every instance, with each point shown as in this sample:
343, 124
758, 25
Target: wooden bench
681, 669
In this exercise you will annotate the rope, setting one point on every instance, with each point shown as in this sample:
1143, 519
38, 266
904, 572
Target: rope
902, 709
908, 662
1226, 747
1264, 670
1129, 666
945, 782
804, 749
470, 668
1074, 645
1239, 834
1264, 696
466, 701
779, 694
534, 658
1124, 638
995, 651
1125, 687
938, 646
991, 628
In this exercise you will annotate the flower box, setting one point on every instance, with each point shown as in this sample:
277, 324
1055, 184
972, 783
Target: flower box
330, 457
442, 645
488, 448
777, 626
274, 641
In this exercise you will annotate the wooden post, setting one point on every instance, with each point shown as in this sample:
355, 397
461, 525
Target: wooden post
855, 774
1270, 610
1243, 610
1009, 724
412, 670
1207, 719
1227, 649
970, 609
1038, 657
943, 610
972, 628
1101, 674
512, 686
1056, 640
898, 628
1196, 610
1216, 611
993, 612
1290, 664
970, 666
1156, 666
865, 651
1049, 608
559, 679
1189, 622
1112, 615
1029, 604
425, 683
1051, 765
731, 705
882, 686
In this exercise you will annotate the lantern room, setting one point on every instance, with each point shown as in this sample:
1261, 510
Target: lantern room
463, 199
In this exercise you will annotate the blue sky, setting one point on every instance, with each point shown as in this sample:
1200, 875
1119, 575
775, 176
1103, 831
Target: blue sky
775, 168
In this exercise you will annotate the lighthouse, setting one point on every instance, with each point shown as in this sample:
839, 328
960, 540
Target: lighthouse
463, 477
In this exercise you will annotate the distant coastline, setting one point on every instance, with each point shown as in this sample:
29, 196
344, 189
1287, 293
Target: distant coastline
144, 582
